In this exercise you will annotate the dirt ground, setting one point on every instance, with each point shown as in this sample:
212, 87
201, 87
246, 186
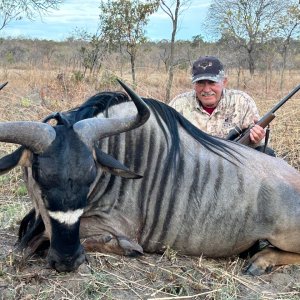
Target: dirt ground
167, 276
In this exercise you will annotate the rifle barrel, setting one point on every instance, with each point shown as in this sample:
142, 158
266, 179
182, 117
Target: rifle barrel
286, 98
3, 85
244, 138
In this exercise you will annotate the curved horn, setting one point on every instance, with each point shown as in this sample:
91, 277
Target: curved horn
93, 129
34, 135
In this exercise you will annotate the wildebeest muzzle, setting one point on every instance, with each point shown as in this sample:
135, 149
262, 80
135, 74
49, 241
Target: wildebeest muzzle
66, 263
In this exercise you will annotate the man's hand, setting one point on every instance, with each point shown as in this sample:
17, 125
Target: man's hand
257, 133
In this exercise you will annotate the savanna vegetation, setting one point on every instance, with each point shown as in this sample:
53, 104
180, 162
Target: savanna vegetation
46, 76
54, 76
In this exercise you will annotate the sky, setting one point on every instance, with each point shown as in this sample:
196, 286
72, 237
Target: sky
76, 14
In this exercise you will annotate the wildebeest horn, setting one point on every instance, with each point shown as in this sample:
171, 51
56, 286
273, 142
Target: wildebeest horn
36, 136
93, 129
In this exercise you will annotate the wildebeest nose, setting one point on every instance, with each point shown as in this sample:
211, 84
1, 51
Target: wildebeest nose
66, 264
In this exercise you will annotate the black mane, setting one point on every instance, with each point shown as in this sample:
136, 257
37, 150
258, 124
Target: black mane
100, 102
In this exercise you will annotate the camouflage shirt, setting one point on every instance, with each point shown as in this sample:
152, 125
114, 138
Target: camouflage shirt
235, 108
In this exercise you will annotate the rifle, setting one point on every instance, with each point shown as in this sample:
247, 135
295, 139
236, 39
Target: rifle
3, 85
243, 137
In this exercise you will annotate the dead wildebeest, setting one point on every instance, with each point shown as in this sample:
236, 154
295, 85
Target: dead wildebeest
184, 189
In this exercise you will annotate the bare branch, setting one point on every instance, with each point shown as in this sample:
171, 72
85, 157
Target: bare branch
18, 9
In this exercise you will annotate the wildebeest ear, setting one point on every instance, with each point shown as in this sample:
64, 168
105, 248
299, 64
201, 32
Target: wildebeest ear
20, 157
113, 166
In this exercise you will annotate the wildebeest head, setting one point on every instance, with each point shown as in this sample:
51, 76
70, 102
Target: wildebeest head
60, 168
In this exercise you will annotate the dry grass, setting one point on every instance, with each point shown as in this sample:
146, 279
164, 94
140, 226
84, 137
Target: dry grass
31, 95
167, 276
149, 277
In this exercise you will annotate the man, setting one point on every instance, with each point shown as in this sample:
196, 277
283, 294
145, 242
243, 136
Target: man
213, 108
217, 110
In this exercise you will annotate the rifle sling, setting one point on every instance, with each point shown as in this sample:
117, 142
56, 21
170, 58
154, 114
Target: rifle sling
267, 138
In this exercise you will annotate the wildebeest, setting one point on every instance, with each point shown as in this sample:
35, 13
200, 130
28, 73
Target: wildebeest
106, 178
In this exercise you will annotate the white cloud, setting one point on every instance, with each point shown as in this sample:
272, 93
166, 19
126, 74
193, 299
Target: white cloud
72, 14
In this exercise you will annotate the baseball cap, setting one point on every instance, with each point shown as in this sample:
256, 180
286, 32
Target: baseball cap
207, 68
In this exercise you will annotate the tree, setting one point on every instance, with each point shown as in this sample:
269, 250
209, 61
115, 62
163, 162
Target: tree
197, 41
172, 9
123, 22
289, 26
11, 10
250, 22
233, 56
91, 51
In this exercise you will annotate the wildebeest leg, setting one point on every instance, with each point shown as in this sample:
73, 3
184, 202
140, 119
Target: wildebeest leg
105, 237
258, 246
31, 235
266, 259
112, 244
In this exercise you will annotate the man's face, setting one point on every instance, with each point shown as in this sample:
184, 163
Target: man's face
209, 92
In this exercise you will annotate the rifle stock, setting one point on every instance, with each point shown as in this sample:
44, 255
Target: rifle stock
244, 137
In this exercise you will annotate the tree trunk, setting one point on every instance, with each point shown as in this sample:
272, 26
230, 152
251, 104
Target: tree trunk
169, 84
283, 68
121, 59
251, 63
238, 77
172, 50
132, 61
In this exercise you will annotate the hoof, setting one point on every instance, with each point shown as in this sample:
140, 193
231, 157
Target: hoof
255, 270
130, 248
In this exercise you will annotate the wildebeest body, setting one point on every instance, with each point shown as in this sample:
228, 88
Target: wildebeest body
202, 201
197, 195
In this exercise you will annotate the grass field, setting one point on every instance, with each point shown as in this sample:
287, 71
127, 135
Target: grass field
33, 94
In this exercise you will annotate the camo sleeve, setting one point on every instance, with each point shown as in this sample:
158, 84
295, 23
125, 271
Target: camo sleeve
249, 111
